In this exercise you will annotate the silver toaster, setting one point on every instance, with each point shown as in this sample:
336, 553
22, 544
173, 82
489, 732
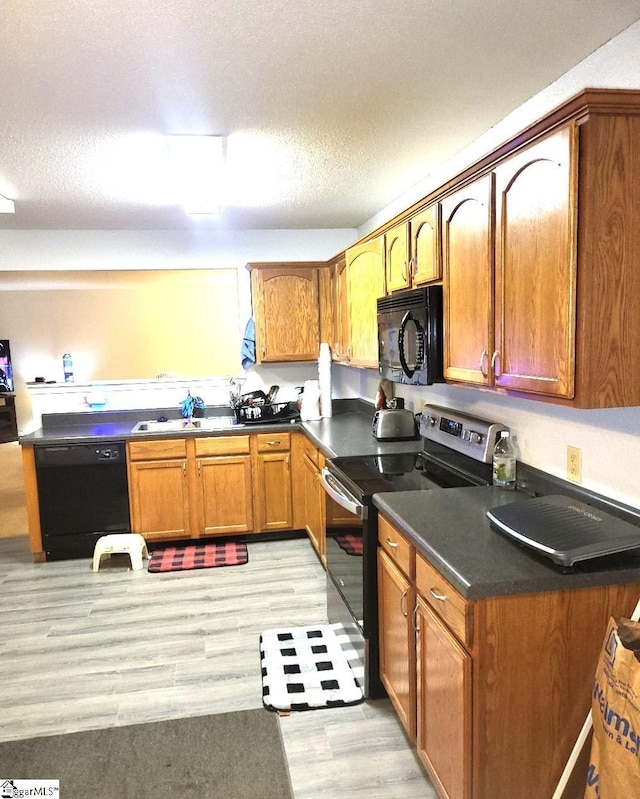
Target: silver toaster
394, 425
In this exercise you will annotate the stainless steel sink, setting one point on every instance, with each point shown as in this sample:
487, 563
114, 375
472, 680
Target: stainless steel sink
177, 425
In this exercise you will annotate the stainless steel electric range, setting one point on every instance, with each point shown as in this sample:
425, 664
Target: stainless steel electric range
456, 452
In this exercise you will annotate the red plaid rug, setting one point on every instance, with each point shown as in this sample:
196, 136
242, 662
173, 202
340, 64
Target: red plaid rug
352, 544
198, 556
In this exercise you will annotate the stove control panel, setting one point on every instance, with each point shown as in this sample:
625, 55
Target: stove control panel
459, 431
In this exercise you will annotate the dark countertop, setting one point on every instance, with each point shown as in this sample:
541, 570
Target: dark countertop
88, 427
451, 530
349, 433
345, 433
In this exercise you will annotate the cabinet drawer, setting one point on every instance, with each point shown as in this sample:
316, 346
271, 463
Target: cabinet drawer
157, 449
443, 598
222, 445
311, 451
273, 442
395, 545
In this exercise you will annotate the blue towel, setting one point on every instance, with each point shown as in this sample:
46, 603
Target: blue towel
248, 350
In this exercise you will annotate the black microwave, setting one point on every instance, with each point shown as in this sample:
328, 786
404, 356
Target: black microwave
410, 336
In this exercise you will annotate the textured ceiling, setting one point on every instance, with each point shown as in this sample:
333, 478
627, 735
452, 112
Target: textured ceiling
333, 108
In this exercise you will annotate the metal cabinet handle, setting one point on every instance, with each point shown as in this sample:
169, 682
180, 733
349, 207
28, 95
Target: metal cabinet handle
393, 544
184, 468
286, 463
264, 351
405, 275
436, 595
403, 598
273, 443
483, 358
199, 467
414, 620
412, 267
495, 358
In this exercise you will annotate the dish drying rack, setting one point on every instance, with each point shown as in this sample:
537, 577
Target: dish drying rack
256, 412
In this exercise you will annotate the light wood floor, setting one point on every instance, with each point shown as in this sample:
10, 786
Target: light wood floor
84, 650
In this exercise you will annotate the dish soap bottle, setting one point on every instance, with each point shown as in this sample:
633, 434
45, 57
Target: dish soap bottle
504, 462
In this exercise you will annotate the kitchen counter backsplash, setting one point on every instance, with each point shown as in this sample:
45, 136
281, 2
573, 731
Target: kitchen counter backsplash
122, 395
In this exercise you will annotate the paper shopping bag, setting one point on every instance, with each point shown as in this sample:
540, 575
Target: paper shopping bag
614, 767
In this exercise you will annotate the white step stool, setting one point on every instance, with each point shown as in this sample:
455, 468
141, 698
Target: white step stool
131, 543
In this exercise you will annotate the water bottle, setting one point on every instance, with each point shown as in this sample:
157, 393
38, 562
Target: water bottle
67, 368
504, 462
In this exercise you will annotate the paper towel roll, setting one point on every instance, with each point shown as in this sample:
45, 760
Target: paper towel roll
324, 380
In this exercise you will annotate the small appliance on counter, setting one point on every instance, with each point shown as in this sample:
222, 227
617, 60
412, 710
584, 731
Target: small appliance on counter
394, 424
564, 529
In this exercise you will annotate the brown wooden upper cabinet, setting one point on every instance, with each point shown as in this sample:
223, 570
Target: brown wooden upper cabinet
365, 283
535, 291
510, 284
340, 303
540, 254
412, 250
510, 296
286, 310
467, 217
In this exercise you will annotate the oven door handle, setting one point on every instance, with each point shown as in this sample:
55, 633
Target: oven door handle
338, 493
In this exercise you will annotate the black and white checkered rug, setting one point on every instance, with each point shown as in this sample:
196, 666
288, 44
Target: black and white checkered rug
304, 668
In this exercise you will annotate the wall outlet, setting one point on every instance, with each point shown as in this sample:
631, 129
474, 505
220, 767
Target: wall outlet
574, 464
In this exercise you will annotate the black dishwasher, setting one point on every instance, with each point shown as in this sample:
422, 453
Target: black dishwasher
83, 494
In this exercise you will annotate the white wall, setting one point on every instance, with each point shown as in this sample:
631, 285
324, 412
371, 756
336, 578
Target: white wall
165, 249
609, 439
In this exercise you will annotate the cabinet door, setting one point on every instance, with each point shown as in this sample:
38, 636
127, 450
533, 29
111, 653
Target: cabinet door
224, 492
397, 258
397, 644
468, 282
286, 311
425, 242
274, 507
365, 283
341, 311
314, 507
444, 705
159, 498
536, 267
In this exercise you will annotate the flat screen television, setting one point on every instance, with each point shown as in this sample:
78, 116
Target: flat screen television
6, 370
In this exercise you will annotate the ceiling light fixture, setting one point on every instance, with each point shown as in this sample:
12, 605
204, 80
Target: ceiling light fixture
7, 206
198, 167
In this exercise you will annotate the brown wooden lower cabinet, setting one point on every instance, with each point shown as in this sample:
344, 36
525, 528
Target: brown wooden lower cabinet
314, 501
159, 488
396, 599
188, 488
272, 485
223, 495
502, 685
444, 705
